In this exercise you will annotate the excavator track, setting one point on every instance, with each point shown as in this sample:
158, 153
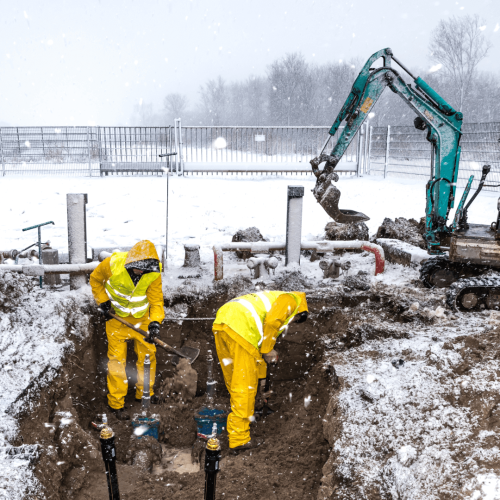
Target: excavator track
433, 270
469, 294
440, 272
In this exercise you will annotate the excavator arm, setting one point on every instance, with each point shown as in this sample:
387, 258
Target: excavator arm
443, 126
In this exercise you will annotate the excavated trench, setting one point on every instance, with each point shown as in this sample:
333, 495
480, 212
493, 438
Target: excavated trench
289, 463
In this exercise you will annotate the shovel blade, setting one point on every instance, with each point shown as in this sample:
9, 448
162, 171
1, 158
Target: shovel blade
190, 353
328, 197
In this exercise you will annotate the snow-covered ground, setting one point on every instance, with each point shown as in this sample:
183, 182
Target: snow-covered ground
204, 210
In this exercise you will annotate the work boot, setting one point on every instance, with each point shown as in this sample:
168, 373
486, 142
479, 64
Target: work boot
251, 445
154, 399
120, 413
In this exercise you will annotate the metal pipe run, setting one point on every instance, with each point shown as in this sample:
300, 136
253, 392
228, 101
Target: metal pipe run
107, 438
330, 246
146, 398
42, 269
210, 380
319, 246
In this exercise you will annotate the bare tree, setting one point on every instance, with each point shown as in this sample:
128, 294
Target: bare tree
459, 44
291, 91
175, 105
214, 97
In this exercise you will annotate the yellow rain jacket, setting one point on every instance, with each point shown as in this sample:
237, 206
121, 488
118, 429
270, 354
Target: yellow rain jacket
244, 329
138, 304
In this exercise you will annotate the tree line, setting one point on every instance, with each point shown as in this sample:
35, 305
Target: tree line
295, 92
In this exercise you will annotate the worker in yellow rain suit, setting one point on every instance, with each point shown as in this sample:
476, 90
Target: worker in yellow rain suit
130, 284
245, 331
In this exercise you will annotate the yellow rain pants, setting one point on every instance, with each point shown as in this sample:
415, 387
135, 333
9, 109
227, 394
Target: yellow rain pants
241, 374
118, 334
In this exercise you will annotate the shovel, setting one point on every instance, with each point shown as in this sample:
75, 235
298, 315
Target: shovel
190, 353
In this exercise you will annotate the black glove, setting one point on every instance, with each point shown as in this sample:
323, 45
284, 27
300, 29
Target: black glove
153, 330
106, 308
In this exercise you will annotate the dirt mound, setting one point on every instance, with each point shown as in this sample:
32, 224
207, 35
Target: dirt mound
249, 234
144, 453
290, 281
346, 232
360, 281
14, 286
408, 230
182, 384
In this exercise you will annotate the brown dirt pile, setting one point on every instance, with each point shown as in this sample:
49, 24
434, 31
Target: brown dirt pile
408, 230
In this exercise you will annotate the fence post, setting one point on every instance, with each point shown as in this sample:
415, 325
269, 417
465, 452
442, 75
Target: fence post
88, 148
1, 151
388, 141
359, 150
99, 145
181, 156
368, 163
176, 147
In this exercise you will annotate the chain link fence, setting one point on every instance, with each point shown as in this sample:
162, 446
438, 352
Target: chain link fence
404, 151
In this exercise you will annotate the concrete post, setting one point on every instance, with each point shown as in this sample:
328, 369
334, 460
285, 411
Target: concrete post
293, 224
77, 236
51, 256
191, 255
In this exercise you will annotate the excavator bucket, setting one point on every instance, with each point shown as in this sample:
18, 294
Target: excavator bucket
328, 196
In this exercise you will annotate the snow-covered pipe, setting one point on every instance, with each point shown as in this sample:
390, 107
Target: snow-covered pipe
40, 270
319, 246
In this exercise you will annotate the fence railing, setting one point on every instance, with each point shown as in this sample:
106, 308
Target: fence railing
404, 151
94, 151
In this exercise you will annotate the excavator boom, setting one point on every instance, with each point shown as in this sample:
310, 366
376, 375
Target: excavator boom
443, 126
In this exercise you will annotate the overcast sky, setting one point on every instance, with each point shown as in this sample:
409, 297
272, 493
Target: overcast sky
88, 62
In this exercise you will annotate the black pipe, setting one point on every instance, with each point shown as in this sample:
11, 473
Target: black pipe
108, 449
212, 461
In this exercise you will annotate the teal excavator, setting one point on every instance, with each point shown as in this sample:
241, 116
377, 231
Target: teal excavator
463, 254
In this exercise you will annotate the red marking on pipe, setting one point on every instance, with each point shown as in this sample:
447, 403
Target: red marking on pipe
379, 257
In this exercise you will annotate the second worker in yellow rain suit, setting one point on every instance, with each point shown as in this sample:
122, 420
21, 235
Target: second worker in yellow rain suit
245, 330
129, 283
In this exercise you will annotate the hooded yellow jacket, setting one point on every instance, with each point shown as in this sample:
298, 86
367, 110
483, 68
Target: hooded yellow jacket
140, 251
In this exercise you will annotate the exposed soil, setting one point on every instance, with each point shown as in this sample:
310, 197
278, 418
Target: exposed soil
382, 394
287, 465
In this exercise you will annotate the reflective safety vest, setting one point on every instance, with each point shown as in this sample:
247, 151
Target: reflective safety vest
246, 315
127, 298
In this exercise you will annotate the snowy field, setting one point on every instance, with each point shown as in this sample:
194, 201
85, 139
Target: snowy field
204, 210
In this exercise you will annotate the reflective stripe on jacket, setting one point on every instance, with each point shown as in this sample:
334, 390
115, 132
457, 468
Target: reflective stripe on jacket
126, 298
246, 315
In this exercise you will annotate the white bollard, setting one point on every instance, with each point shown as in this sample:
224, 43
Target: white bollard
293, 224
77, 236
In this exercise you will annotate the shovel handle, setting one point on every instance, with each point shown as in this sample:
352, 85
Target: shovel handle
145, 334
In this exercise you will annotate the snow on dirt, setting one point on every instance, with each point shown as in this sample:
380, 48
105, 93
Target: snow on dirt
35, 336
420, 428
206, 210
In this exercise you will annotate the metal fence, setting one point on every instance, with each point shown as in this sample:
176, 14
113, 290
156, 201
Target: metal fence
94, 151
404, 151
88, 151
